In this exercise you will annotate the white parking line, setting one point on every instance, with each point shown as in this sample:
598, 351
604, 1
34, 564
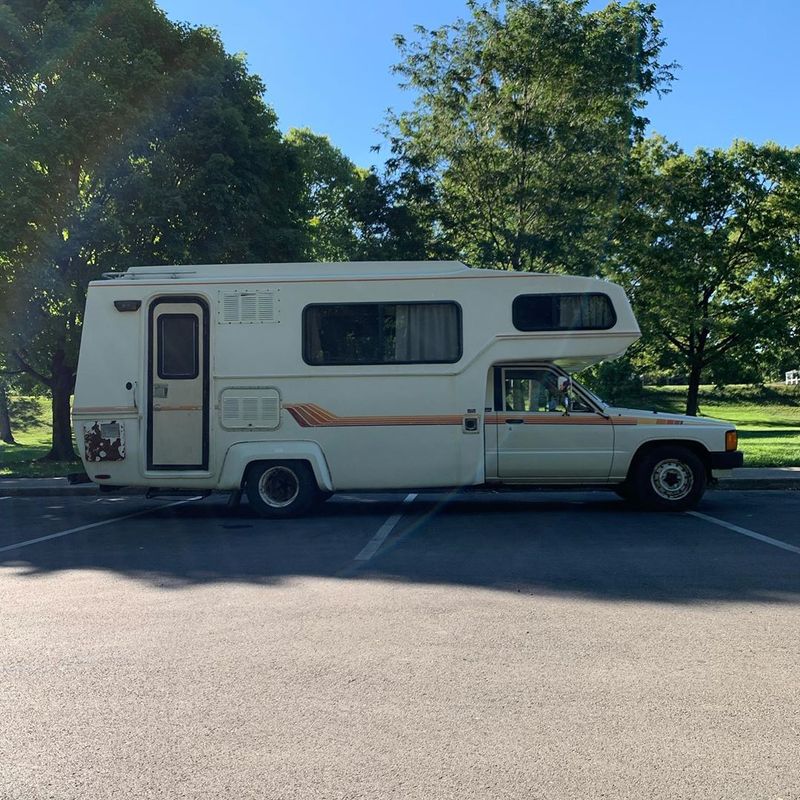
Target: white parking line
80, 528
378, 539
746, 532
6, 498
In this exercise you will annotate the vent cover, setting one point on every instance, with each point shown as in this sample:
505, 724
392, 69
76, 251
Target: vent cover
250, 408
248, 306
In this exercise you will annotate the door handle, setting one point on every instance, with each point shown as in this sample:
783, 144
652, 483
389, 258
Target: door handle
514, 421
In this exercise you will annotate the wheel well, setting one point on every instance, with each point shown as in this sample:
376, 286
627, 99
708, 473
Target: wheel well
261, 461
697, 448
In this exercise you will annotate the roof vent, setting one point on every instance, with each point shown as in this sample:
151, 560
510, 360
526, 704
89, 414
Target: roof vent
248, 306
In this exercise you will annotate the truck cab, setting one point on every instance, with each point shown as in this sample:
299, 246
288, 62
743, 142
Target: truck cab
543, 427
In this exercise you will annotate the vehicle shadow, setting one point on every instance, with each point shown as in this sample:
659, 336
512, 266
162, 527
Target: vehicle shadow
589, 545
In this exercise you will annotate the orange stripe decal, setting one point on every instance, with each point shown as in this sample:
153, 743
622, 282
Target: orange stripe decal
544, 418
310, 415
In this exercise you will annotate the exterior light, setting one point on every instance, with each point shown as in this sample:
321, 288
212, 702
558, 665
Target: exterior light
127, 305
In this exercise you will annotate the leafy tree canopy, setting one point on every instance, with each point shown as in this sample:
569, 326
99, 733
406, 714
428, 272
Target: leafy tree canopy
124, 138
708, 249
523, 120
353, 213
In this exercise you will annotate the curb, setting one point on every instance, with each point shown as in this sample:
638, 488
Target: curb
66, 491
745, 484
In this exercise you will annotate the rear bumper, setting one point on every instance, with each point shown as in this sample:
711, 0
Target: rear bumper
731, 460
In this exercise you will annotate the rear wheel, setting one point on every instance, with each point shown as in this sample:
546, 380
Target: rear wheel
281, 488
668, 478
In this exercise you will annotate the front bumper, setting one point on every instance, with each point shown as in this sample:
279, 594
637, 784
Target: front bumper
727, 460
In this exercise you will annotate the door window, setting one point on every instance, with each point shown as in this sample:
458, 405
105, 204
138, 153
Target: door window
178, 353
530, 390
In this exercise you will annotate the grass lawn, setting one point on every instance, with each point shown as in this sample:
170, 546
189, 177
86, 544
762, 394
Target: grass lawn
21, 460
768, 419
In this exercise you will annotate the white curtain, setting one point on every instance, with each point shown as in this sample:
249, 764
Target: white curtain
584, 312
426, 332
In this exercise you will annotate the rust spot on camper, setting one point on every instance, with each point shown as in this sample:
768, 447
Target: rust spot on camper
104, 441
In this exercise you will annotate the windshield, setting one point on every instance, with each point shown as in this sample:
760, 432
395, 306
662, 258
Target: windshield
592, 396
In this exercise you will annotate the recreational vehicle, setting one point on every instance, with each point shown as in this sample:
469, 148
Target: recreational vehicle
290, 382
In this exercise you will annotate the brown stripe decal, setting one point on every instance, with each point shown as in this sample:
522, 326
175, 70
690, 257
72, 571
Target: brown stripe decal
310, 415
561, 419
546, 419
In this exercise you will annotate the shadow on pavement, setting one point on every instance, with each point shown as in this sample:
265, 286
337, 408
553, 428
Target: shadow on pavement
587, 545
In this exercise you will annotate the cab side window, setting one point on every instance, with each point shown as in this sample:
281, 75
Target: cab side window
533, 390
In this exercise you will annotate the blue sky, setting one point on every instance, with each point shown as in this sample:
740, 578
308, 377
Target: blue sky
327, 64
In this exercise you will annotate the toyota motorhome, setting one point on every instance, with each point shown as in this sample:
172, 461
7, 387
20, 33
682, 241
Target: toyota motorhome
293, 381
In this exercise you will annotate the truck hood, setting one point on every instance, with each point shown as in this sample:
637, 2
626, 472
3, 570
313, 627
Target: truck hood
676, 419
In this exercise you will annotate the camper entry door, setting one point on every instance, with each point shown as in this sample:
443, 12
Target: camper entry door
177, 426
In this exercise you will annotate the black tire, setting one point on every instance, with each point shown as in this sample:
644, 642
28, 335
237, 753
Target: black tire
281, 489
624, 491
668, 478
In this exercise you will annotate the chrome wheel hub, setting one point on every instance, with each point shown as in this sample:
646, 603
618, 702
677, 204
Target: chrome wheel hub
278, 487
672, 479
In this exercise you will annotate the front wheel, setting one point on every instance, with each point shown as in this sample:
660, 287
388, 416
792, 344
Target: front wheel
623, 490
281, 488
668, 478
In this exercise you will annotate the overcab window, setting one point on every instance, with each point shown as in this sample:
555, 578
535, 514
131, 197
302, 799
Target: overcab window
382, 333
563, 312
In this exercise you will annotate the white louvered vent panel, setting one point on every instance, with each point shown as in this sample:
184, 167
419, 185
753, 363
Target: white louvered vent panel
249, 307
230, 411
230, 307
266, 306
250, 408
271, 410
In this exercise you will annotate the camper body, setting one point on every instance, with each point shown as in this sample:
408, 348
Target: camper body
294, 381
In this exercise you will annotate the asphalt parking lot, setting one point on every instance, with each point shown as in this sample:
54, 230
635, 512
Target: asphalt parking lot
542, 645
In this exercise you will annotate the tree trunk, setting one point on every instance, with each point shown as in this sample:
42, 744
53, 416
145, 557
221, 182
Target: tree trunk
5, 419
61, 391
694, 388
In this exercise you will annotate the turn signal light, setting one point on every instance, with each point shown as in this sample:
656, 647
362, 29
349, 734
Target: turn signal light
731, 440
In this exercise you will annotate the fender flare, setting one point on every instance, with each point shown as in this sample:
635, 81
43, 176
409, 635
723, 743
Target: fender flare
239, 456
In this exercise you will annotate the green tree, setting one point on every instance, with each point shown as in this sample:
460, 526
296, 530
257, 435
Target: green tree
124, 138
523, 120
6, 434
390, 223
15, 410
708, 249
329, 181
354, 214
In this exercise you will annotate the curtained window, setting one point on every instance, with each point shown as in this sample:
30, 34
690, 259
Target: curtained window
382, 333
563, 312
